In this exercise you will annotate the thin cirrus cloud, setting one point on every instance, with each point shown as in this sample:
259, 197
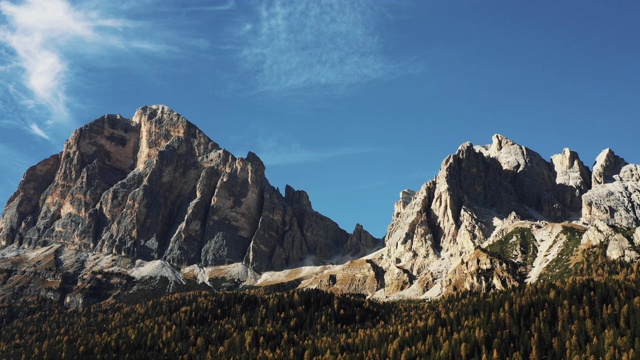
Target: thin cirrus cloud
310, 44
35, 129
293, 154
41, 33
277, 149
41, 39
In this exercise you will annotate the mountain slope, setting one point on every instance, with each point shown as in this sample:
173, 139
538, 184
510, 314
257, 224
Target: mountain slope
155, 188
445, 236
137, 208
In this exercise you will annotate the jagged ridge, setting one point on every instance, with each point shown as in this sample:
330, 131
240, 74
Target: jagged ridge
156, 189
482, 191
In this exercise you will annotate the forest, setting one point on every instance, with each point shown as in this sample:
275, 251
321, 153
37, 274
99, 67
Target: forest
593, 314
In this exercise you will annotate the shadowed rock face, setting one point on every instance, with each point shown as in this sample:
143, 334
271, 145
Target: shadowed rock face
155, 187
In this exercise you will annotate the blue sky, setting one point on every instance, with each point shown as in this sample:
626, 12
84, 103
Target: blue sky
350, 100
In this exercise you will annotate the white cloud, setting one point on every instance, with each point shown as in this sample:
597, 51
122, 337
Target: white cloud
330, 44
41, 32
42, 42
35, 129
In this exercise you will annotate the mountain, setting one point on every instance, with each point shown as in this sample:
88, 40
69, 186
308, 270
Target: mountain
497, 215
135, 208
154, 188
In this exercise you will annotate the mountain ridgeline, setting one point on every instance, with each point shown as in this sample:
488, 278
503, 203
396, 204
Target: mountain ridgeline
155, 187
151, 205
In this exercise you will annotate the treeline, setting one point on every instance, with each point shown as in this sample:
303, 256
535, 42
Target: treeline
595, 314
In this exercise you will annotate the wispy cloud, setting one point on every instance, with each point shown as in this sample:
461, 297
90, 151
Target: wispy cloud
312, 44
35, 129
231, 4
42, 41
13, 103
41, 32
277, 150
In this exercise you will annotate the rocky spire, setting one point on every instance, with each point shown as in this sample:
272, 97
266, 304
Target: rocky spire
606, 166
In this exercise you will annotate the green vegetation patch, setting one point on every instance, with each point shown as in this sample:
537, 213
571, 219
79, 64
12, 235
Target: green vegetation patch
560, 267
518, 246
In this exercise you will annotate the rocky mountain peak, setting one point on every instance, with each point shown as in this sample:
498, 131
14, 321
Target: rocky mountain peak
567, 160
498, 142
253, 159
512, 157
155, 187
158, 125
573, 178
615, 194
477, 189
406, 196
296, 197
145, 196
607, 165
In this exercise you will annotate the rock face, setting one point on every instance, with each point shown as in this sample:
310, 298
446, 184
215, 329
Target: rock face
607, 165
477, 186
481, 190
154, 201
156, 188
572, 178
618, 246
480, 273
615, 196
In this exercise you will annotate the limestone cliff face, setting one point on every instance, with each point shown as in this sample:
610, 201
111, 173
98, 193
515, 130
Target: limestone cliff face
615, 196
573, 178
482, 190
479, 272
481, 193
477, 188
156, 187
138, 198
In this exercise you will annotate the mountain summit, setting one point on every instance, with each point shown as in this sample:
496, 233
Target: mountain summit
152, 203
482, 193
154, 187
